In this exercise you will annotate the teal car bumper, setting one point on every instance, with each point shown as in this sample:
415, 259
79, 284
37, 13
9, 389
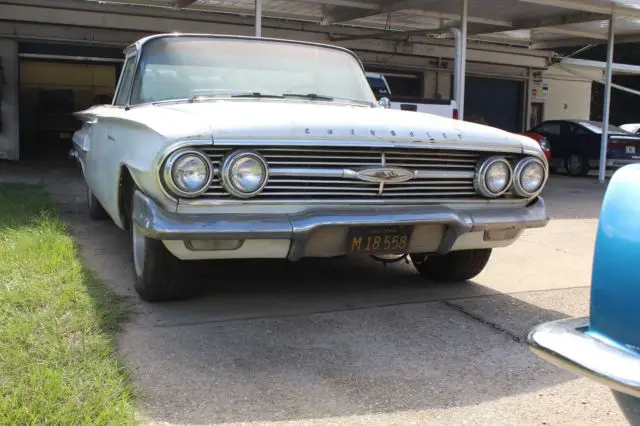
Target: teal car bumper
605, 347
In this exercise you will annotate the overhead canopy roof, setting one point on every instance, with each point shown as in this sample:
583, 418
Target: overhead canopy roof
537, 24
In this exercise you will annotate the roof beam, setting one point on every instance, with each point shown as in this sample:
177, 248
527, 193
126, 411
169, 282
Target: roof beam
335, 14
566, 19
619, 68
572, 41
574, 33
607, 8
551, 24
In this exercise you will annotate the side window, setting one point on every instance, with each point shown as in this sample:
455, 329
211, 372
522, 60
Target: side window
581, 131
126, 79
551, 129
576, 130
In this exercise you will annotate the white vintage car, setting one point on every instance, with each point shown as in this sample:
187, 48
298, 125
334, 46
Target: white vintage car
223, 147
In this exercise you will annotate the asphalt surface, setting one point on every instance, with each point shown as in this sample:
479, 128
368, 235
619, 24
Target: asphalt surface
354, 342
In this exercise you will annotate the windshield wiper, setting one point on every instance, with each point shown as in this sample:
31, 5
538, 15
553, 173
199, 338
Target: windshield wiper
256, 95
199, 96
312, 96
316, 97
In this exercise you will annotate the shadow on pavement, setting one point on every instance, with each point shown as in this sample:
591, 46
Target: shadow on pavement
321, 339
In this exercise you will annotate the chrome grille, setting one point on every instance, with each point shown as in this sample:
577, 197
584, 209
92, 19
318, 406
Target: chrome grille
316, 173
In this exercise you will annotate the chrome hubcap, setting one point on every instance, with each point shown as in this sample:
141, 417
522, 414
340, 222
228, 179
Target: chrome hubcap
139, 248
574, 164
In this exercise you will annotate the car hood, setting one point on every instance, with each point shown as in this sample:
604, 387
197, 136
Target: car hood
290, 120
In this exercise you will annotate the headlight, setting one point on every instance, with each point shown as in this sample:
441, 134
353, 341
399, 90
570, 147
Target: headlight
544, 144
530, 174
187, 173
493, 177
244, 174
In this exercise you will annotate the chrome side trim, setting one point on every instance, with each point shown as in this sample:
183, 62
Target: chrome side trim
424, 143
567, 344
353, 174
372, 202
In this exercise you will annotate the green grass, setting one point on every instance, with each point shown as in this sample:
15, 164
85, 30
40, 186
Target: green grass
57, 323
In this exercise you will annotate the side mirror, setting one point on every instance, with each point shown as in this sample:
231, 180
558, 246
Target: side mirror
384, 103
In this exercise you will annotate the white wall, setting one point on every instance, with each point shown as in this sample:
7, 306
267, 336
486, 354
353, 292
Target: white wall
9, 103
569, 95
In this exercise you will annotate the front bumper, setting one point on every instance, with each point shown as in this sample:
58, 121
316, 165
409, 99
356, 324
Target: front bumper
568, 344
299, 228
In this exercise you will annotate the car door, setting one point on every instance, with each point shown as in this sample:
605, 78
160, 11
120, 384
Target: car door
98, 168
583, 142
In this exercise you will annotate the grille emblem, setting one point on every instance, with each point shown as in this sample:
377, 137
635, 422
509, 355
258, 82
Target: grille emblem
385, 175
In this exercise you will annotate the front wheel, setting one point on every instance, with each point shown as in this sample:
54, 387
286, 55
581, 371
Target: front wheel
455, 266
157, 273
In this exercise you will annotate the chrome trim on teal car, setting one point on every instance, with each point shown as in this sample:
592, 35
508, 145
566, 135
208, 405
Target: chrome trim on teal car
606, 346
569, 344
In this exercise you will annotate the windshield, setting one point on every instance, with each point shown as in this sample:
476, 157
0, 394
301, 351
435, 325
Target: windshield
596, 127
184, 67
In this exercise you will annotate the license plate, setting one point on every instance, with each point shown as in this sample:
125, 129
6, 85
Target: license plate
630, 149
379, 240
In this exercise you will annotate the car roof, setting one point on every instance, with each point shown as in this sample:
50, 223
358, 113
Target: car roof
572, 120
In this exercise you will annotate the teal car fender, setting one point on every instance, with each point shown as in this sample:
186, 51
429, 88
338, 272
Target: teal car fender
605, 346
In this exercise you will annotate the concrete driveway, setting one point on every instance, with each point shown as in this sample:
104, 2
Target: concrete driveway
353, 342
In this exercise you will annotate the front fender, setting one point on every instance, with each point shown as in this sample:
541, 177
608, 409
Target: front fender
615, 284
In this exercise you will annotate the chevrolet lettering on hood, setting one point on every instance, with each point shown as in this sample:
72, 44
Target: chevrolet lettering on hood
232, 147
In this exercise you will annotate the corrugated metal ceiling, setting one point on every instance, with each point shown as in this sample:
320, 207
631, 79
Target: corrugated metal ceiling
536, 23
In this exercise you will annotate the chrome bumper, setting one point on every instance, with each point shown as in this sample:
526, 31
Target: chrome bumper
567, 344
154, 222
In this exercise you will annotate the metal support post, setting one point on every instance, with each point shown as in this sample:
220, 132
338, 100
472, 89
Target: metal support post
258, 18
456, 64
607, 101
462, 69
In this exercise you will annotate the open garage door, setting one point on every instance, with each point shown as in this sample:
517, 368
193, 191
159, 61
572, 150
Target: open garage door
53, 85
495, 102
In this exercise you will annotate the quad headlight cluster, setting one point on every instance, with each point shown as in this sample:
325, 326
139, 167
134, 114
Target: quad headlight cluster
188, 173
495, 176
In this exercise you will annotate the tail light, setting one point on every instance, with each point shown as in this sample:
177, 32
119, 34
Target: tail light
455, 114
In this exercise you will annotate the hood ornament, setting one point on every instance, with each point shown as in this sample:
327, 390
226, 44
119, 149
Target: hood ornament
385, 175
